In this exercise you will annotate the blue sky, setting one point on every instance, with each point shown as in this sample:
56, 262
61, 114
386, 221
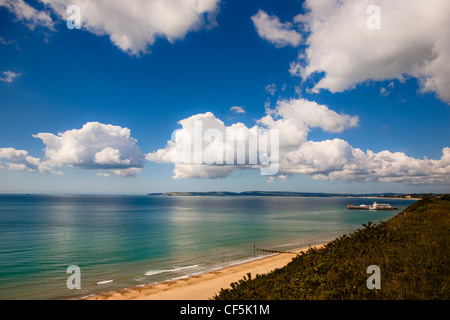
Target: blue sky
56, 80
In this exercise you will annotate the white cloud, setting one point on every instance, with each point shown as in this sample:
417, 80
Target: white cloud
205, 148
134, 25
110, 156
126, 172
237, 109
184, 171
271, 88
281, 177
6, 42
271, 29
102, 174
294, 118
27, 14
385, 92
95, 146
189, 159
414, 40
337, 160
332, 159
19, 160
110, 149
9, 76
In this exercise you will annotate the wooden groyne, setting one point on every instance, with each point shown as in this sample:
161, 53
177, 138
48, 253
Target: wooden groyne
272, 251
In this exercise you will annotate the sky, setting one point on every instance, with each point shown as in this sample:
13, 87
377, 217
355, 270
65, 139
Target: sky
103, 97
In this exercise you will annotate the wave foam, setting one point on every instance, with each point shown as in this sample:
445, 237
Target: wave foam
153, 272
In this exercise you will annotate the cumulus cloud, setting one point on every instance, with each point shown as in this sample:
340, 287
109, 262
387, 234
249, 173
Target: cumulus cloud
194, 155
223, 149
134, 25
102, 147
19, 160
30, 16
296, 117
337, 160
131, 25
333, 159
95, 146
271, 88
110, 156
291, 119
9, 76
278, 33
413, 40
6, 42
205, 147
237, 109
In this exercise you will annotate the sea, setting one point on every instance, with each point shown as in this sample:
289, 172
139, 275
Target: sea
119, 242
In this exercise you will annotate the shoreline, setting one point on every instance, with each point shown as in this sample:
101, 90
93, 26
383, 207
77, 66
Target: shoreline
384, 198
203, 286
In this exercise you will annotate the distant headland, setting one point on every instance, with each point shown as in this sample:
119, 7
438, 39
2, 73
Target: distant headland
291, 194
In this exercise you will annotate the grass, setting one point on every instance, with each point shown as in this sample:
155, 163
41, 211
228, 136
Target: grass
411, 250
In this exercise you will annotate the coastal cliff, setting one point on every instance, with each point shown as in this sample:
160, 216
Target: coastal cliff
411, 251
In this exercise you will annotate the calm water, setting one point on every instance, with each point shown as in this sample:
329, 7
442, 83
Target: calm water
126, 241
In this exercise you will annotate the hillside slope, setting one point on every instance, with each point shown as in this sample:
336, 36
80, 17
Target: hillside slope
411, 250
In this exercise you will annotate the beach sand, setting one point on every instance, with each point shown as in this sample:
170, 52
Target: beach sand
204, 286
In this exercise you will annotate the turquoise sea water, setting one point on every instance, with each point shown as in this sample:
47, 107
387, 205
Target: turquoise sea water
125, 241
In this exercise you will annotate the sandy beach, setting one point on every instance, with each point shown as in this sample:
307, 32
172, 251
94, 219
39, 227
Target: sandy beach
204, 286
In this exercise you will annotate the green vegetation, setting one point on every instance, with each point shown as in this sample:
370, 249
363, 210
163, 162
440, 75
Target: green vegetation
411, 249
